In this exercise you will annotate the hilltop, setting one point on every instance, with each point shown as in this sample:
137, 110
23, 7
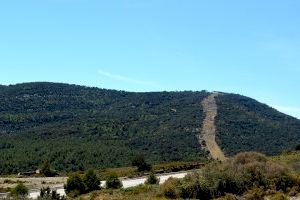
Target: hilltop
78, 127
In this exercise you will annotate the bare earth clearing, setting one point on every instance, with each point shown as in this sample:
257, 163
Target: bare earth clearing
207, 137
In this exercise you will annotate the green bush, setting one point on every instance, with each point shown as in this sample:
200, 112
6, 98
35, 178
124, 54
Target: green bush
19, 191
91, 181
152, 179
74, 186
77, 185
48, 194
113, 182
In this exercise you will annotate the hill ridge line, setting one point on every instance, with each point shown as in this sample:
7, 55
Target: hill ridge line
207, 137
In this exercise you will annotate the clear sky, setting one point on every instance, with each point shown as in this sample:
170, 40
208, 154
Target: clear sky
250, 47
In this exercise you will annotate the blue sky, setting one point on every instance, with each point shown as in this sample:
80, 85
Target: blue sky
248, 47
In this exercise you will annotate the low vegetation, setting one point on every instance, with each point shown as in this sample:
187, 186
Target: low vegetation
247, 176
152, 179
113, 182
250, 175
20, 191
48, 194
77, 185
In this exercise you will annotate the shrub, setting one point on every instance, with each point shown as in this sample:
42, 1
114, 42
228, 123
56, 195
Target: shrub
47, 194
194, 187
278, 196
228, 197
294, 191
250, 172
152, 179
255, 194
113, 182
170, 188
297, 148
74, 186
19, 191
91, 181
249, 157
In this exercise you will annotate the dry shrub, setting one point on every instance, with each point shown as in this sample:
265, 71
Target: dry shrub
228, 197
255, 194
249, 157
170, 188
278, 196
250, 172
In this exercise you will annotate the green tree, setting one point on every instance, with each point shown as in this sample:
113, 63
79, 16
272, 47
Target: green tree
140, 162
46, 169
74, 186
91, 181
113, 182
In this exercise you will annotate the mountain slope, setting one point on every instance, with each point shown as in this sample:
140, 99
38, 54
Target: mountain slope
247, 125
78, 128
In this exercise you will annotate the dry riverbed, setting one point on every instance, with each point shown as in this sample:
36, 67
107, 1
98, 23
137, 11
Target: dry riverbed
56, 183
33, 183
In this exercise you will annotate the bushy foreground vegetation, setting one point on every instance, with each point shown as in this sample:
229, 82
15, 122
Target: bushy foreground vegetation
247, 176
250, 175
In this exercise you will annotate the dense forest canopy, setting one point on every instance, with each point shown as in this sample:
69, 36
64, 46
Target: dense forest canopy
246, 125
78, 127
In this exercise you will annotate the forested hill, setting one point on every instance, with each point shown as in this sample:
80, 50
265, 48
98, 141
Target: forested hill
78, 127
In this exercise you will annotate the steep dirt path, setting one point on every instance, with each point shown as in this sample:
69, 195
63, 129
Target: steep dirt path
207, 138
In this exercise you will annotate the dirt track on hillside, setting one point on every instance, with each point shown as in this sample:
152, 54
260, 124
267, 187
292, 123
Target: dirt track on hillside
207, 137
